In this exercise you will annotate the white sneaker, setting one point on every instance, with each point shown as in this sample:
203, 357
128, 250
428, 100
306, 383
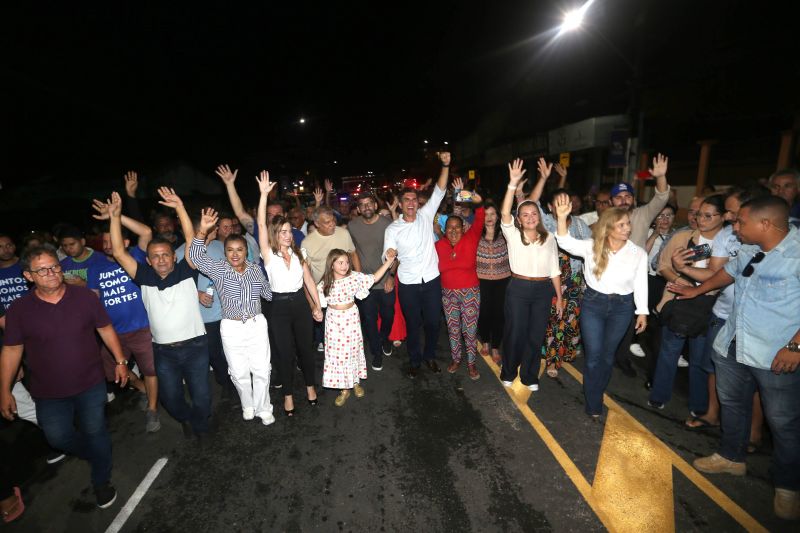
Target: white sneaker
320, 347
682, 362
636, 349
507, 383
266, 418
248, 413
397, 344
534, 387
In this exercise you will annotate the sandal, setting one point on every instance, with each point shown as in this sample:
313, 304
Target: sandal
552, 372
16, 509
695, 422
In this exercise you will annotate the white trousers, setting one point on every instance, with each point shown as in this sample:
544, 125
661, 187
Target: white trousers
26, 409
246, 346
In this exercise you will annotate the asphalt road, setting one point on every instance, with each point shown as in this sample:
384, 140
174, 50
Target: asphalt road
439, 453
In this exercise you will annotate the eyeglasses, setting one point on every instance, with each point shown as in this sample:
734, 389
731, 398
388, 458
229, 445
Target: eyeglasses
45, 271
750, 268
665, 216
706, 216
602, 202
692, 213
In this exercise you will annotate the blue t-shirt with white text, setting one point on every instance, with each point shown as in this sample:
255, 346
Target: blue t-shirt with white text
12, 284
121, 297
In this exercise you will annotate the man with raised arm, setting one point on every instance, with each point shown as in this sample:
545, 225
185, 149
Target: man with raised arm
123, 301
169, 292
420, 289
56, 324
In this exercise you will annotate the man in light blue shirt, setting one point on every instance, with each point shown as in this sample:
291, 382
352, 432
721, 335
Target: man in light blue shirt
757, 348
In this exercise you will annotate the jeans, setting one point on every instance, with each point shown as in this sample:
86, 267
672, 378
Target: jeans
422, 306
699, 368
780, 396
91, 441
377, 303
604, 320
527, 312
216, 355
186, 362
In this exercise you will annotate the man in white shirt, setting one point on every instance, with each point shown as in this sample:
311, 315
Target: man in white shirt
420, 289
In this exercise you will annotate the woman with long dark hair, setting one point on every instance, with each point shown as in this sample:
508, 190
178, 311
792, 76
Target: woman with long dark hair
535, 278
289, 313
493, 275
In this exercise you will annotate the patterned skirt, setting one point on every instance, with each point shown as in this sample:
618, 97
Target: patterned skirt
563, 336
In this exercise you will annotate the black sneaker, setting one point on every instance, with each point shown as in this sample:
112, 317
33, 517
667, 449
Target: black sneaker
386, 348
655, 405
377, 363
187, 430
54, 457
106, 495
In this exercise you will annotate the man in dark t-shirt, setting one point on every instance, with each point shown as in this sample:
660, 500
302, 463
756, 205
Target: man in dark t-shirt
55, 324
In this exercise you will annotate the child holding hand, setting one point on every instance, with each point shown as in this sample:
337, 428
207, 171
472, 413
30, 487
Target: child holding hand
345, 364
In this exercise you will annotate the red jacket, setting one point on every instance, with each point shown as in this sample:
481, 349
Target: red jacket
458, 264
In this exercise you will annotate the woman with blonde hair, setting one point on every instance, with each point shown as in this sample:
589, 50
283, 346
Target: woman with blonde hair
616, 278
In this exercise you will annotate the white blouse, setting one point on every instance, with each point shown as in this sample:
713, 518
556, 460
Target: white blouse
625, 273
534, 260
281, 278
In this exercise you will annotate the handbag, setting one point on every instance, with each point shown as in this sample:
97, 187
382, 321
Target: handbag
688, 318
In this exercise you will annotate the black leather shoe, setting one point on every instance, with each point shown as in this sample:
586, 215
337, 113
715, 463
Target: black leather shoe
412, 372
627, 369
432, 366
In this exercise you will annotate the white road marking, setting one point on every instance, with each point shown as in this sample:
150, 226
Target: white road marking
136, 497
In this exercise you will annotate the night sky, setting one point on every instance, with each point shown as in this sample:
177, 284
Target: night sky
91, 92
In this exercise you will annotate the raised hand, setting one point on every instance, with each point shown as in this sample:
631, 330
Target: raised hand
445, 158
659, 169
208, 220
115, 205
328, 186
224, 172
319, 196
563, 206
264, 185
101, 208
169, 198
515, 171
560, 170
131, 183
426, 185
476, 198
458, 184
544, 168
394, 204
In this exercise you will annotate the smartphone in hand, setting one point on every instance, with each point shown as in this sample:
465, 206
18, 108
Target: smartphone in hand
699, 253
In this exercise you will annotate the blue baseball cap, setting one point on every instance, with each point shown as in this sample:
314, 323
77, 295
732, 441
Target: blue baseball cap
620, 188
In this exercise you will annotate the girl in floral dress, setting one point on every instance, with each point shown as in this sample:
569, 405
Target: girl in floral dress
345, 364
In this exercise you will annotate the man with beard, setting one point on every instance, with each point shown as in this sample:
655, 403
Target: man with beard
367, 232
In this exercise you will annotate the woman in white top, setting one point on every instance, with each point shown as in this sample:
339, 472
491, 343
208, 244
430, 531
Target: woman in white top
289, 311
616, 277
535, 279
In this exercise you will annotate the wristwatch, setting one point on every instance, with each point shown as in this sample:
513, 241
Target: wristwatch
793, 347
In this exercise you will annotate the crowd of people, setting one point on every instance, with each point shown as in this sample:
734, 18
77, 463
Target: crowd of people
548, 276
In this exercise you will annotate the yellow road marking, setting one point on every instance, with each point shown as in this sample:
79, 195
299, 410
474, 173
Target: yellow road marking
621, 497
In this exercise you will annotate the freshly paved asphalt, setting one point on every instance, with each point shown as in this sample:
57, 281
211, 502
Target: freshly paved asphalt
439, 453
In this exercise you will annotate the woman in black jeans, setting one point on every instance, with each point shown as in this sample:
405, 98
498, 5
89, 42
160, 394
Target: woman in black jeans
535, 278
493, 274
289, 312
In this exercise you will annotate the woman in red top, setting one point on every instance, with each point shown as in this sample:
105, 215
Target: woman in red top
461, 296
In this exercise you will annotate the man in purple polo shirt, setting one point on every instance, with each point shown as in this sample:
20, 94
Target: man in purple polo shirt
55, 324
